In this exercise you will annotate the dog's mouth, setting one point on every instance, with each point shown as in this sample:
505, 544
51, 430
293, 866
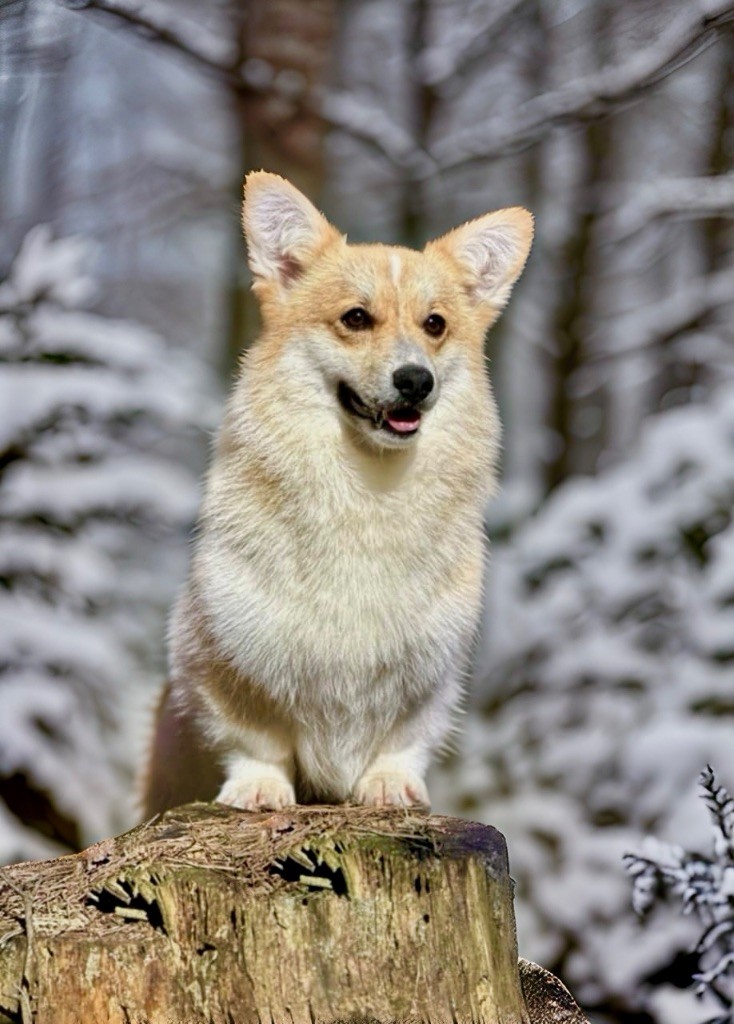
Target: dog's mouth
402, 420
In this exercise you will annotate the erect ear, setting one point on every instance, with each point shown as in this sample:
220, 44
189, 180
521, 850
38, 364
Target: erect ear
282, 228
491, 251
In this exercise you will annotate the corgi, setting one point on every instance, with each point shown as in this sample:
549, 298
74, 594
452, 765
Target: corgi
319, 648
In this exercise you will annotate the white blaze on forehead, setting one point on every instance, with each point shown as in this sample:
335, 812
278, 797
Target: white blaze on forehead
395, 268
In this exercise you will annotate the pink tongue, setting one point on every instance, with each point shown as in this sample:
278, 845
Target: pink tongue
403, 426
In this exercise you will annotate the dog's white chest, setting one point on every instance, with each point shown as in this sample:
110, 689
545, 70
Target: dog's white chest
346, 605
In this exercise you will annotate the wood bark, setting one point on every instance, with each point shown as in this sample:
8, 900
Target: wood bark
313, 914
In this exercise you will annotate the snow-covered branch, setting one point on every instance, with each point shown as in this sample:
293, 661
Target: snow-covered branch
704, 886
220, 58
677, 198
607, 646
154, 20
98, 420
369, 122
689, 33
440, 62
659, 322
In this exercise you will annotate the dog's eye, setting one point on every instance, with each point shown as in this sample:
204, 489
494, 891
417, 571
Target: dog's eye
357, 319
435, 325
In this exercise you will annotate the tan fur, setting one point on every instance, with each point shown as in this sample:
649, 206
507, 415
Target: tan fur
320, 644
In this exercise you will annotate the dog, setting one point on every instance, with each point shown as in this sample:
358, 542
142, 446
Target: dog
319, 648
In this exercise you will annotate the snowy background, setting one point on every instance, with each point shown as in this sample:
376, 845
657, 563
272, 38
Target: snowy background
604, 680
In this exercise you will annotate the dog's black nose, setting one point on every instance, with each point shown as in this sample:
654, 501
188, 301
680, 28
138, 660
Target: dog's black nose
414, 382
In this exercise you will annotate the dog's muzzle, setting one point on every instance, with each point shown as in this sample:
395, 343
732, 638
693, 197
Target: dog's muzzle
402, 419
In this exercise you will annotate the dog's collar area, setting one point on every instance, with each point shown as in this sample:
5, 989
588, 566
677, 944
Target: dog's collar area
403, 420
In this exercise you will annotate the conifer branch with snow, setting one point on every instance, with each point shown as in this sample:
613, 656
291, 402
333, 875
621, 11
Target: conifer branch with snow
97, 491
704, 886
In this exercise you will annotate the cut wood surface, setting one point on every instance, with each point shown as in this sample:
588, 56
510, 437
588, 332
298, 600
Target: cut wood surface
312, 915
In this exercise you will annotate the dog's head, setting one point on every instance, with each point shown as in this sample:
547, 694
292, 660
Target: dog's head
376, 334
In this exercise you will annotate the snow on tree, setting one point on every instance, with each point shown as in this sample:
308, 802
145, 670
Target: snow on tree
704, 886
608, 625
603, 669
612, 122
100, 430
604, 683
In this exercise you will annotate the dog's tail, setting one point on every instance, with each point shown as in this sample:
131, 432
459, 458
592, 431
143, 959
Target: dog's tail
181, 767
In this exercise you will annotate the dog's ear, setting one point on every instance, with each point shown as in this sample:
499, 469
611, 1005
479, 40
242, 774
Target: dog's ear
491, 252
282, 228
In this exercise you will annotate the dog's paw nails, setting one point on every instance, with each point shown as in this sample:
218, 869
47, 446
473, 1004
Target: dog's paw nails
261, 794
383, 789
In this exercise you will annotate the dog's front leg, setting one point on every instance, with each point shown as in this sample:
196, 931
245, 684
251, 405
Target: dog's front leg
395, 779
260, 772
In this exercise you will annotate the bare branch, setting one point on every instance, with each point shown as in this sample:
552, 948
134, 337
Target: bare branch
438, 65
216, 57
588, 98
678, 198
367, 121
661, 321
153, 22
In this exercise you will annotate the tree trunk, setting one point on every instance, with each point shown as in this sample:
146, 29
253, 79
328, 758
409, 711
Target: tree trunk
314, 914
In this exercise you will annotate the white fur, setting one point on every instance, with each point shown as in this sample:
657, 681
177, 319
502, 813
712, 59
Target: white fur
395, 268
252, 784
340, 601
337, 575
391, 780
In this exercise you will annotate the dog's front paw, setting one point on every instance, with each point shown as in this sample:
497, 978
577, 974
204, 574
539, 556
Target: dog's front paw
257, 794
391, 789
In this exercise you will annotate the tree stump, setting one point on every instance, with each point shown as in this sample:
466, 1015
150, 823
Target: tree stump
313, 915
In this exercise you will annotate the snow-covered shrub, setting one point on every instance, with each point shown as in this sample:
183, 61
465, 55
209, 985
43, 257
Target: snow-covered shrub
705, 889
100, 429
605, 680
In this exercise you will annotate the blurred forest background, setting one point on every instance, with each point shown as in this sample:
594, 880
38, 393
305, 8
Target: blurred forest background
605, 670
